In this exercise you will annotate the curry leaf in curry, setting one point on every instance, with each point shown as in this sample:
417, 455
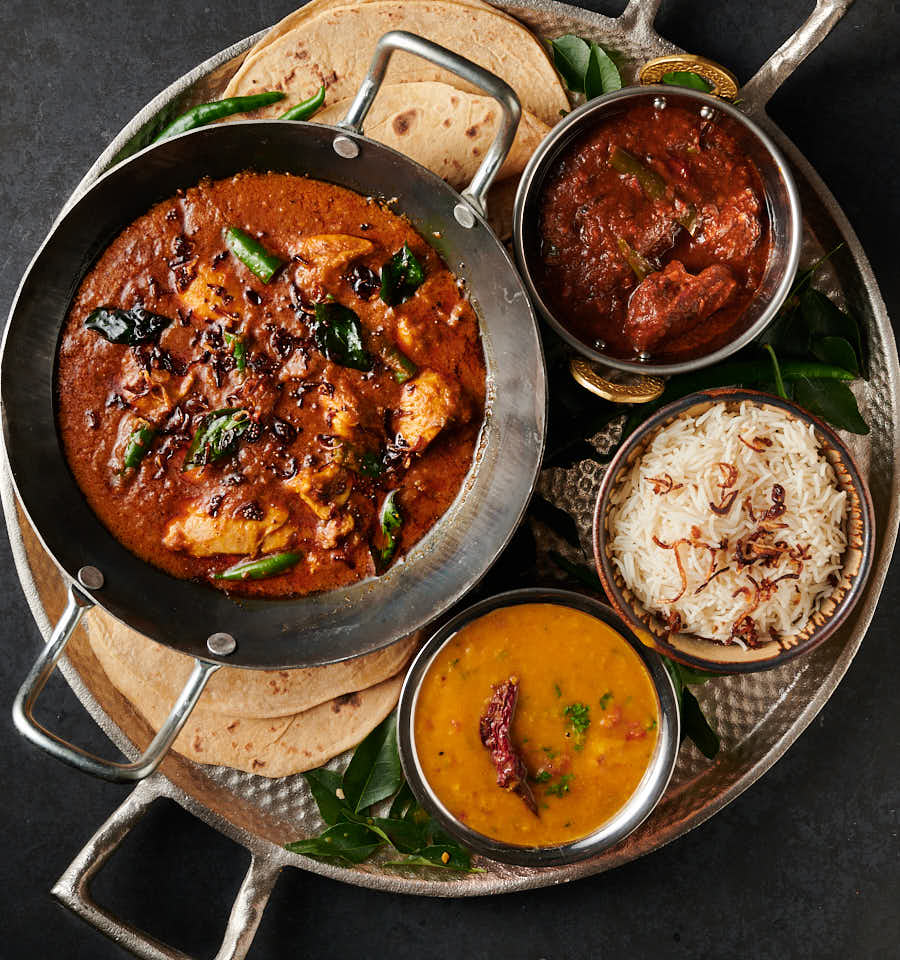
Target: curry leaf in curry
216, 437
339, 337
561, 787
132, 327
238, 350
401, 276
389, 522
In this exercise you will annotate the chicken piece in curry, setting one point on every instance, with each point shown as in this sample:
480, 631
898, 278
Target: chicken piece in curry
272, 384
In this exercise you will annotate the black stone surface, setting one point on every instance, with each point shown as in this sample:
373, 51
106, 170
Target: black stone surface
804, 864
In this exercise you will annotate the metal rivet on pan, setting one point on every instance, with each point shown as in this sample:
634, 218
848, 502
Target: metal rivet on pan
643, 357
599, 344
707, 112
221, 644
345, 147
91, 578
659, 103
464, 216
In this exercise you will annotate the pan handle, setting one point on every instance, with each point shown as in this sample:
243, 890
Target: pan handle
492, 85
23, 706
73, 887
761, 87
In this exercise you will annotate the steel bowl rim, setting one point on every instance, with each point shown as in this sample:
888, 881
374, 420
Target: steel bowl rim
628, 818
679, 408
530, 183
83, 197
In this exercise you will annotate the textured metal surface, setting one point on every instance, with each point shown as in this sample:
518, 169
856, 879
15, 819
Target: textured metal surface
627, 819
318, 628
758, 716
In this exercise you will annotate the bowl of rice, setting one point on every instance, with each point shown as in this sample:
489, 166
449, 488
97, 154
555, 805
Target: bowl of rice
734, 528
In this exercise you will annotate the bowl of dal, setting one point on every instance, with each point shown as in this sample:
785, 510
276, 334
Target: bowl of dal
537, 729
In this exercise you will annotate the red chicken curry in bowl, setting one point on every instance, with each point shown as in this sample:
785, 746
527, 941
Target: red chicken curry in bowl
270, 383
658, 229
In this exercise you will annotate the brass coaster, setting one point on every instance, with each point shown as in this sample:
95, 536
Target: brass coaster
638, 389
723, 82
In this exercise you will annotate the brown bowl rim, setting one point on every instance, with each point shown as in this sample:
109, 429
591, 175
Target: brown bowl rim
844, 606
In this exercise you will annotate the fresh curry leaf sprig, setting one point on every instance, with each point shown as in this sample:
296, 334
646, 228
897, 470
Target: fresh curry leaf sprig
353, 833
584, 66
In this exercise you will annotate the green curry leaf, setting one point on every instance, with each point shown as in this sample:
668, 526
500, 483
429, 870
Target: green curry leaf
374, 772
390, 520
133, 326
838, 351
602, 75
825, 319
832, 400
353, 842
570, 57
401, 276
338, 336
687, 78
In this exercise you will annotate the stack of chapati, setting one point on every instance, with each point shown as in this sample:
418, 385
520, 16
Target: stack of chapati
270, 722
425, 112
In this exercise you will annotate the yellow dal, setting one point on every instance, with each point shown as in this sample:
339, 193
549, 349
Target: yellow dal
561, 657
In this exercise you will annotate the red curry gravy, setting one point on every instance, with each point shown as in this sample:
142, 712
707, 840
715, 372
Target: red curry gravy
323, 443
654, 235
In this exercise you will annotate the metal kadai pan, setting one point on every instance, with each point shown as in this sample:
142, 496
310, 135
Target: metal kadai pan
193, 618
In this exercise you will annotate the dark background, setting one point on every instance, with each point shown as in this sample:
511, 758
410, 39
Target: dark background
804, 864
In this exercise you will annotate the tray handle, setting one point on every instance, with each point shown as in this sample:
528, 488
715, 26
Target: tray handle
761, 87
23, 706
73, 888
492, 85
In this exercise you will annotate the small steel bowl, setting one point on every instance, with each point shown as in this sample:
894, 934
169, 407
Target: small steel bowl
712, 655
629, 817
782, 202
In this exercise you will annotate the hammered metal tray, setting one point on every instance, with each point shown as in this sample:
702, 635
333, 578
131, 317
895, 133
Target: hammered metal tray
758, 716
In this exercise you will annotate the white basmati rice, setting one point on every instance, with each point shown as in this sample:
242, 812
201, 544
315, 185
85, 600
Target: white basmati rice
666, 497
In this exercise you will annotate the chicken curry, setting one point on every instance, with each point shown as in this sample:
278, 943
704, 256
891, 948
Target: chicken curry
654, 234
270, 383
